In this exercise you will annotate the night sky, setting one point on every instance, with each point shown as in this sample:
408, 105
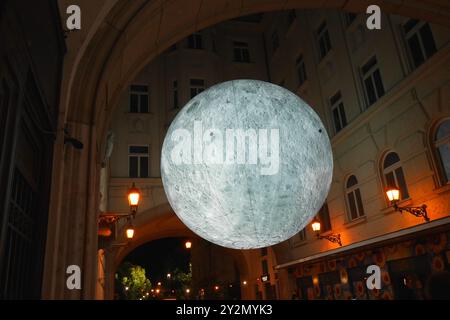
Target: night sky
160, 257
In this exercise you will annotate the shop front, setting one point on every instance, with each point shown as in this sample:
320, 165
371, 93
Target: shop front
406, 263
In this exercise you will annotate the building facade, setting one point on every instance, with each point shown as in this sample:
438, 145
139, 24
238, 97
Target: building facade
30, 78
382, 95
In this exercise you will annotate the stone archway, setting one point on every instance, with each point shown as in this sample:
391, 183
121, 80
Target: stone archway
158, 223
123, 38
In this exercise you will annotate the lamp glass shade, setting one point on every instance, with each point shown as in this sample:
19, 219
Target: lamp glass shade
316, 225
393, 194
188, 244
130, 233
133, 196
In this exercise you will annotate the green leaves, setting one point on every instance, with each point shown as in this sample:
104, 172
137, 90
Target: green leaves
135, 284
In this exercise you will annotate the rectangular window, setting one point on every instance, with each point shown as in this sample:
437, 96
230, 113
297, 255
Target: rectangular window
324, 42
355, 204
351, 202
175, 94
139, 97
324, 218
275, 41
301, 70
241, 53
195, 41
420, 41
133, 167
338, 111
372, 81
138, 161
197, 86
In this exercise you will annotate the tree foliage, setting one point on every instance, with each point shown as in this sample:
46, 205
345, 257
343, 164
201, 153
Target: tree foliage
182, 281
134, 283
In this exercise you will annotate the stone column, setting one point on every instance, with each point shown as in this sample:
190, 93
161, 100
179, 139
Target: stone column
110, 270
72, 229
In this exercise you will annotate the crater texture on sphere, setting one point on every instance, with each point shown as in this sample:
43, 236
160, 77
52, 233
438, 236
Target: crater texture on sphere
234, 205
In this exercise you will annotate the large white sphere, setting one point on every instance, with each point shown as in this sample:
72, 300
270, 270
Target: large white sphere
252, 204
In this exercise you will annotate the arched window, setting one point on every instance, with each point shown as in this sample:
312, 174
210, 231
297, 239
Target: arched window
354, 201
393, 174
442, 145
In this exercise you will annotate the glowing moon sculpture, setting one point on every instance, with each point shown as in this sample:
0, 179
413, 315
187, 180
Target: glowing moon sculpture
246, 164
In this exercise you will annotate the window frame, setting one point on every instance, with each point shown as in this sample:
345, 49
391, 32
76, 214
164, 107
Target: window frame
370, 74
320, 216
139, 94
354, 189
139, 156
300, 65
436, 143
393, 169
242, 48
337, 103
323, 37
197, 41
198, 88
416, 30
